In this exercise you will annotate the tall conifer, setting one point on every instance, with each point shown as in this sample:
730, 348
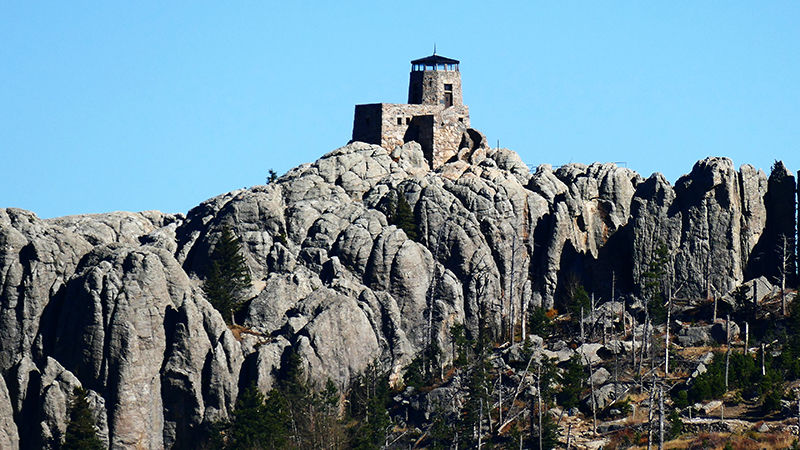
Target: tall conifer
228, 276
81, 433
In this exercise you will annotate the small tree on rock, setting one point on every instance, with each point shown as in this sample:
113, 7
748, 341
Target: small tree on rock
403, 217
228, 276
81, 433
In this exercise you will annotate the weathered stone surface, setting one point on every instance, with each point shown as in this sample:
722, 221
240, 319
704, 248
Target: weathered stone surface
37, 260
120, 227
114, 300
139, 332
590, 353
55, 392
588, 205
710, 223
9, 435
600, 398
599, 377
694, 336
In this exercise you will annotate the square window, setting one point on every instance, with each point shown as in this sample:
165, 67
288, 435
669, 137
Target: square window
448, 87
399, 120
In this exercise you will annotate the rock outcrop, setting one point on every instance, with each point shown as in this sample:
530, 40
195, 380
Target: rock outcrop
113, 302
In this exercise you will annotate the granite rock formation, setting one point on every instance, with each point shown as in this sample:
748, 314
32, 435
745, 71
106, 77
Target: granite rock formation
113, 302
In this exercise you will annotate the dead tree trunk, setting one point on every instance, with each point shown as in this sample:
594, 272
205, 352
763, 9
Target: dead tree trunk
583, 339
666, 340
539, 396
591, 386
746, 338
728, 352
650, 418
633, 343
480, 425
784, 262
569, 436
594, 321
660, 416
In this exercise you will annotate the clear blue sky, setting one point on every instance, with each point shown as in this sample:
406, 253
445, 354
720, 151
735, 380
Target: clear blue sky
135, 105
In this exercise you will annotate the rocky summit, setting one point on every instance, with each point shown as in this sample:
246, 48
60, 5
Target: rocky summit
114, 303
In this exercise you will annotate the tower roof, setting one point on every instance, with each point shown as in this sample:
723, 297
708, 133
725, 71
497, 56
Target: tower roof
434, 59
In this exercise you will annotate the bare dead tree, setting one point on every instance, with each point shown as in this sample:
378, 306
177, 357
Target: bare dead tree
616, 335
511, 318
660, 416
480, 425
785, 257
650, 418
569, 436
746, 338
645, 341
539, 400
666, 340
633, 343
728, 351
593, 319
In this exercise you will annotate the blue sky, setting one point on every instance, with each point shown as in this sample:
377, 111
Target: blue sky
132, 106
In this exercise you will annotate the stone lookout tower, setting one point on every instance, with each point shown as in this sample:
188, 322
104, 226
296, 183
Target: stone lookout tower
434, 116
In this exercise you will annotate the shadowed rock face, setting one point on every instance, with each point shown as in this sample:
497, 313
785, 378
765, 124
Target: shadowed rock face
112, 302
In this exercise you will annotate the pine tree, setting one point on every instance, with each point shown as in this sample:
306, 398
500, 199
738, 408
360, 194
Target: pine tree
228, 276
654, 283
368, 404
548, 436
403, 217
259, 423
571, 383
81, 433
272, 176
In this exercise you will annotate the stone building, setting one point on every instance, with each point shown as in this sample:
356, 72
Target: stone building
434, 116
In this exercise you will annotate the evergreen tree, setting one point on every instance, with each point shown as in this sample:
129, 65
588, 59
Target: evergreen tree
653, 283
81, 433
403, 217
272, 176
372, 395
571, 383
539, 322
461, 345
228, 276
548, 436
258, 423
422, 370
476, 407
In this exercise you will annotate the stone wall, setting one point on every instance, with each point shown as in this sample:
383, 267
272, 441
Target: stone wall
427, 87
448, 128
367, 123
437, 129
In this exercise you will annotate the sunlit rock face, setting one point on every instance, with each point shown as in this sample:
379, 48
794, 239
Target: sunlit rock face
113, 302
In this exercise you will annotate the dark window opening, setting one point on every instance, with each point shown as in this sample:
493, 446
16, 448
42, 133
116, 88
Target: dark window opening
448, 99
399, 120
461, 119
448, 95
408, 120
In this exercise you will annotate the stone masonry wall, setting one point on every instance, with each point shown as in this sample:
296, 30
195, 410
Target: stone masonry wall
432, 83
439, 137
448, 128
367, 123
